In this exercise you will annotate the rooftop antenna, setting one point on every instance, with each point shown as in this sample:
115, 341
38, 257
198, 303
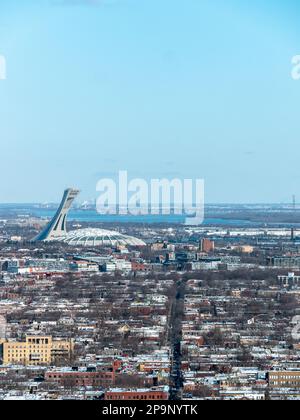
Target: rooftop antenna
293, 229
294, 202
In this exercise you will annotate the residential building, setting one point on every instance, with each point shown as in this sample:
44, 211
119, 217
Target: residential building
36, 350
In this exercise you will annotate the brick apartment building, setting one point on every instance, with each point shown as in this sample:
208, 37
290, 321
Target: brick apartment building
103, 379
154, 394
284, 379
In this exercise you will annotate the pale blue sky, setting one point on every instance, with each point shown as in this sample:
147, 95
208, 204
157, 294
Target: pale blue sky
193, 88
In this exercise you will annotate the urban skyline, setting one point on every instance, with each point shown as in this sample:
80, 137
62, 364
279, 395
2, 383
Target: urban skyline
149, 203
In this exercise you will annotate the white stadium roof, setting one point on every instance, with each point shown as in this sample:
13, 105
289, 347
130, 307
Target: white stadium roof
99, 237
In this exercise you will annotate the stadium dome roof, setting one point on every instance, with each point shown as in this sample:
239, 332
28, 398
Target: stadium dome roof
99, 237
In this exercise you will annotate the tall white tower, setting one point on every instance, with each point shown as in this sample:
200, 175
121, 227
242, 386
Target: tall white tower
57, 228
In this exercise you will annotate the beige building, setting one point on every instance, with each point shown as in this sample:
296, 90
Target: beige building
36, 350
244, 249
284, 379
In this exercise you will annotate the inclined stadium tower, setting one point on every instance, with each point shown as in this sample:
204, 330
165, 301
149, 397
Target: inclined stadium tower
56, 230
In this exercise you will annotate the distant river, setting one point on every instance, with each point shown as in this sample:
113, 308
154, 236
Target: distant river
25, 210
91, 216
